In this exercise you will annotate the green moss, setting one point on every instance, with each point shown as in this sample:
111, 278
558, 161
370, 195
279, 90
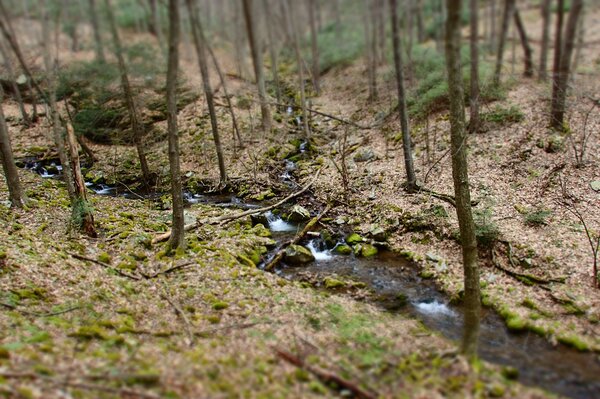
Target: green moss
426, 274
368, 250
574, 341
104, 257
510, 373
220, 305
331, 283
354, 238
343, 249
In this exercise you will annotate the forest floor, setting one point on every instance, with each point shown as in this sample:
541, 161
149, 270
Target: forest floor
125, 324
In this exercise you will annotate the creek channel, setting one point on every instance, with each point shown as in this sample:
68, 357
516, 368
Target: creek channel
558, 369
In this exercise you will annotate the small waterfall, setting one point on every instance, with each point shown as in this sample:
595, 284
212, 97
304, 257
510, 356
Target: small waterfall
318, 253
277, 224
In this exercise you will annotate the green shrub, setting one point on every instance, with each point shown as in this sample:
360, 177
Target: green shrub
537, 217
503, 115
486, 231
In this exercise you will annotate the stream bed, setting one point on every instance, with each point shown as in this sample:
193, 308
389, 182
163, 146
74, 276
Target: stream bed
558, 369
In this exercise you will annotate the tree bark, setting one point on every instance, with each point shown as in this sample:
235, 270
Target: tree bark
314, 47
136, 123
411, 179
561, 79
546, 14
98, 46
272, 50
474, 47
200, 44
493, 20
258, 66
509, 6
459, 166
15, 86
15, 193
177, 235
527, 51
371, 48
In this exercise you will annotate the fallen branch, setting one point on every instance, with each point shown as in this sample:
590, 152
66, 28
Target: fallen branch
107, 266
122, 392
279, 256
524, 278
167, 271
325, 376
186, 322
229, 218
36, 314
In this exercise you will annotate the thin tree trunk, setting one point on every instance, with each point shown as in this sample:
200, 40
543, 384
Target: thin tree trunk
474, 47
15, 86
527, 51
419, 18
99, 48
370, 48
546, 14
136, 123
493, 29
558, 43
200, 44
509, 6
562, 77
177, 232
238, 41
460, 170
294, 30
154, 25
258, 66
272, 50
314, 47
580, 43
15, 193
411, 179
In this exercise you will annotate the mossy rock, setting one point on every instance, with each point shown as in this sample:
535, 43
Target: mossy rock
365, 250
332, 283
377, 233
298, 214
343, 249
354, 238
104, 257
297, 255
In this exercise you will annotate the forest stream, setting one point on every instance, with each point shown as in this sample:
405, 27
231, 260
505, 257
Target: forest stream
398, 287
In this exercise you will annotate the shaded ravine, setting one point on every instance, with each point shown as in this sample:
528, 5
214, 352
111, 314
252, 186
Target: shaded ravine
558, 369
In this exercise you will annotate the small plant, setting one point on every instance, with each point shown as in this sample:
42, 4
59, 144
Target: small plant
537, 217
486, 231
503, 115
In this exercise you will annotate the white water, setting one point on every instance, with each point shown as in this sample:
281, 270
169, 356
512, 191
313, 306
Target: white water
434, 308
278, 224
104, 190
319, 255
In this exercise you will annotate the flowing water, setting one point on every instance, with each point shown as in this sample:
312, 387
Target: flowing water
558, 369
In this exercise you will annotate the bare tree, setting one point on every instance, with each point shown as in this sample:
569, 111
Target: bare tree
314, 46
509, 7
528, 52
200, 44
546, 13
371, 47
258, 65
98, 46
460, 171
411, 179
15, 193
561, 78
177, 229
134, 116
474, 48
272, 50
15, 86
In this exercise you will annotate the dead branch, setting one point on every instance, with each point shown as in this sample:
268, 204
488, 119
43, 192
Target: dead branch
325, 376
186, 322
167, 271
229, 218
106, 266
524, 278
279, 256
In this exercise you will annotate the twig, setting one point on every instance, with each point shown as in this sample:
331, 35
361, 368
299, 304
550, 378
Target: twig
123, 392
186, 322
325, 376
279, 256
36, 314
107, 266
167, 271
229, 218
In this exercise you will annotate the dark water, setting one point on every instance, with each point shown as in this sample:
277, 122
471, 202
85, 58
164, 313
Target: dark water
558, 369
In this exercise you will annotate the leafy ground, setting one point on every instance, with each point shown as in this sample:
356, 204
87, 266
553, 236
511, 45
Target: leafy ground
211, 328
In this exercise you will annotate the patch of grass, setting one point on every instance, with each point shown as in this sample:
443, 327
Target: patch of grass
537, 217
503, 115
486, 231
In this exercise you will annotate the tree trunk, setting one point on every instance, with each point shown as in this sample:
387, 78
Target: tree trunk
371, 48
99, 48
154, 25
272, 51
579, 45
411, 179
528, 52
177, 238
15, 86
15, 193
200, 44
136, 123
459, 166
509, 6
258, 65
293, 28
314, 47
561, 79
419, 17
474, 47
558, 43
493, 29
546, 14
